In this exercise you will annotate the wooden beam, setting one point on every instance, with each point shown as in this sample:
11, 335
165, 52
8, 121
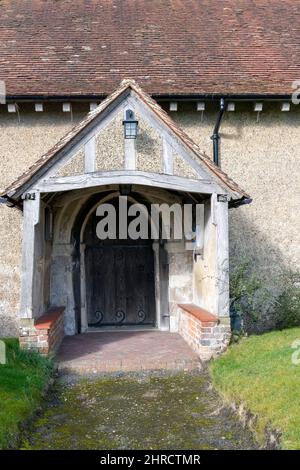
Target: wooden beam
129, 154
72, 147
129, 144
39, 107
90, 155
173, 140
167, 157
80, 141
89, 180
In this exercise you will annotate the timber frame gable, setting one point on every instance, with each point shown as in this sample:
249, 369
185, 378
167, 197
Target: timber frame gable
95, 152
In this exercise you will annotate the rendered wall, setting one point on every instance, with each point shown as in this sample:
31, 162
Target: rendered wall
263, 158
21, 144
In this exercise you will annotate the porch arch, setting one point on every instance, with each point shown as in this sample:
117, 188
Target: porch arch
71, 209
79, 277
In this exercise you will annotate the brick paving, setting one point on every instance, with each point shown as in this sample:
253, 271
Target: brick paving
128, 351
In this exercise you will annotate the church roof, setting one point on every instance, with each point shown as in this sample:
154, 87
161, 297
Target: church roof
171, 47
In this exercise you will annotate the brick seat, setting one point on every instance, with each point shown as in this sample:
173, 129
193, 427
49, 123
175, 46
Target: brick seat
48, 320
202, 330
200, 313
47, 332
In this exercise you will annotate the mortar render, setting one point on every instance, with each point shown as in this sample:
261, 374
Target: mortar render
110, 146
182, 168
149, 148
74, 166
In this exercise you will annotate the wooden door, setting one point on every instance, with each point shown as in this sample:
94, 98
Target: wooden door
120, 283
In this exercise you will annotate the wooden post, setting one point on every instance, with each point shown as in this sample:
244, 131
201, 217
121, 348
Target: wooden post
167, 157
30, 282
130, 158
129, 148
222, 257
83, 309
90, 155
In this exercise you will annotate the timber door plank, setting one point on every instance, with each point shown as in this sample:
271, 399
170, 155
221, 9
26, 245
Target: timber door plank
120, 285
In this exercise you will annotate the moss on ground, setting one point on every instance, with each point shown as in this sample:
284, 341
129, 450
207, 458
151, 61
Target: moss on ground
136, 412
22, 382
259, 372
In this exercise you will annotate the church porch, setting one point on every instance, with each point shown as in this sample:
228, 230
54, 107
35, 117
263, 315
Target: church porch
146, 280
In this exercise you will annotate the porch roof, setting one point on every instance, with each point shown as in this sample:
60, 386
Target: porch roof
40, 166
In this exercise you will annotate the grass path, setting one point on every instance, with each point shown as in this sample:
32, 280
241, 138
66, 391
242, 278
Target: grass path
259, 372
136, 412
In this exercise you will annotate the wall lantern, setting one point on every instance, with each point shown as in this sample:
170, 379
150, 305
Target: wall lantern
130, 125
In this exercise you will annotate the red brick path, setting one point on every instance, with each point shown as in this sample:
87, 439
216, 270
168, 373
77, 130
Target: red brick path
126, 351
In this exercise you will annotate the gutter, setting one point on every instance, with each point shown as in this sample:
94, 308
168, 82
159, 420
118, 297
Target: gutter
227, 96
156, 96
240, 202
10, 202
55, 98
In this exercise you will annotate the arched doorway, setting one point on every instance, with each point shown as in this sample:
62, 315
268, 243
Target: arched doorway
119, 278
153, 252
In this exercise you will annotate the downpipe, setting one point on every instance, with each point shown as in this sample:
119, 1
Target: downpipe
216, 136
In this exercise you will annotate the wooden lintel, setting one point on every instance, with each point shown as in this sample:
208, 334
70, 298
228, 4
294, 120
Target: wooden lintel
131, 177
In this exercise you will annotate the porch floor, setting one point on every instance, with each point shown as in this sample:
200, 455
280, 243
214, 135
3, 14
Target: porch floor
117, 351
